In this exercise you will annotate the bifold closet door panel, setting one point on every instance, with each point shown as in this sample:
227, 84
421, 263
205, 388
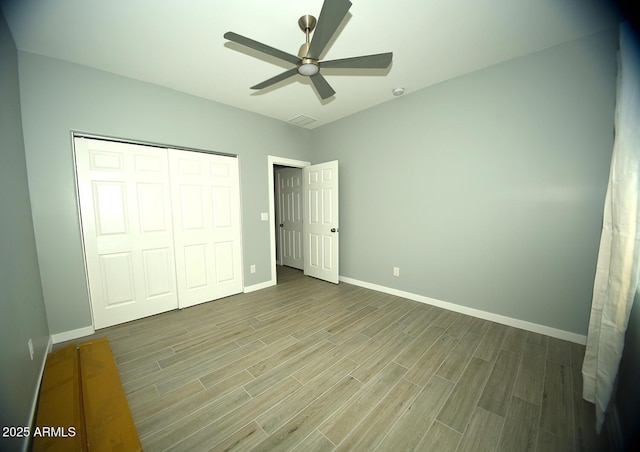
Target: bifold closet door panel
206, 221
125, 205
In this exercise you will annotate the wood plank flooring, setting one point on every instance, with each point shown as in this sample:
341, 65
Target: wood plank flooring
311, 366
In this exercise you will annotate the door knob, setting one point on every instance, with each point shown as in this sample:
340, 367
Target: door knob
282, 225
334, 229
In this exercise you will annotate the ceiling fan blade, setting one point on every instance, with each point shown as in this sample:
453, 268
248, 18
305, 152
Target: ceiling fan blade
276, 79
323, 88
260, 47
331, 15
379, 61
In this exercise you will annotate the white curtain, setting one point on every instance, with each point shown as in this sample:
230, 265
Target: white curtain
616, 277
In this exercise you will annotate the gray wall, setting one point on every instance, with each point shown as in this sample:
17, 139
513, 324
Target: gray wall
22, 310
59, 97
486, 190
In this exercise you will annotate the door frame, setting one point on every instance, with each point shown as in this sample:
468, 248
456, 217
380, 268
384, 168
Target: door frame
272, 161
80, 134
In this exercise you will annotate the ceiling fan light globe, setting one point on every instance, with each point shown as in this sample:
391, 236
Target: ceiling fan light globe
308, 69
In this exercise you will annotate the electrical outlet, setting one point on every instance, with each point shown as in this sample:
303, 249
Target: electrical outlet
30, 344
252, 269
396, 271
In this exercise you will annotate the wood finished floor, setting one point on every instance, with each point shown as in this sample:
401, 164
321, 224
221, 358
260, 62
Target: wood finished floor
311, 366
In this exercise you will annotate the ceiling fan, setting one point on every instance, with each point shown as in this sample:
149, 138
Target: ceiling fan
307, 62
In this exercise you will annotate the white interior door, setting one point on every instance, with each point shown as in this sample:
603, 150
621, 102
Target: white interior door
125, 206
289, 216
206, 200
320, 191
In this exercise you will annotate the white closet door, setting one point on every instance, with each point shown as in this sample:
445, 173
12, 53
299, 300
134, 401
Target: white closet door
125, 206
207, 233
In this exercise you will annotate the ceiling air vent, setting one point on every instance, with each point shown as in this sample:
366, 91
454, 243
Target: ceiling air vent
302, 120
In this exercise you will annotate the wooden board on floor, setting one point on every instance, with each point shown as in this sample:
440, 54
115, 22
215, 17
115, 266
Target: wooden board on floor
109, 423
60, 419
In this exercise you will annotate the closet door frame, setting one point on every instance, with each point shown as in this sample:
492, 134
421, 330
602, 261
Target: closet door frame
130, 258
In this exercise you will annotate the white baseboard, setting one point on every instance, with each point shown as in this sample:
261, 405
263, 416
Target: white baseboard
259, 286
516, 323
73, 334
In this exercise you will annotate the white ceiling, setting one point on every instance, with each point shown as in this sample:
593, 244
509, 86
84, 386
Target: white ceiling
179, 43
